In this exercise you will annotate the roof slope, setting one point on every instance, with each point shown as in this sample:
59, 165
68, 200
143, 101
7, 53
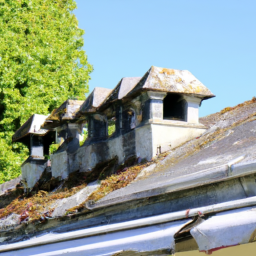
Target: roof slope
125, 85
228, 144
94, 100
31, 126
231, 137
172, 80
66, 111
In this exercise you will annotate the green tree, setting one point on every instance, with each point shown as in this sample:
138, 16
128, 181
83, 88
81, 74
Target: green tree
41, 65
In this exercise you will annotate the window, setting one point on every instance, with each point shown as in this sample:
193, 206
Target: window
175, 107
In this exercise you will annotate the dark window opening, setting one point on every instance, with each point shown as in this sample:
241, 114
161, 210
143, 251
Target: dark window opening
129, 120
175, 107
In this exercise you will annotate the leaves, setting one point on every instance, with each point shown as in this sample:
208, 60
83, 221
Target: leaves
41, 65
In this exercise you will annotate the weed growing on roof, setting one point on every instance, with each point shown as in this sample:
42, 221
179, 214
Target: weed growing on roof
248, 102
36, 207
123, 177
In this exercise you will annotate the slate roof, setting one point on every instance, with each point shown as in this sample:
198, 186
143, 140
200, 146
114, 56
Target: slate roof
66, 112
31, 126
171, 80
230, 137
94, 100
125, 85
203, 171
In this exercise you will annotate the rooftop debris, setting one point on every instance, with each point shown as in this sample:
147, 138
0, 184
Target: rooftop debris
35, 206
237, 111
123, 177
225, 110
219, 126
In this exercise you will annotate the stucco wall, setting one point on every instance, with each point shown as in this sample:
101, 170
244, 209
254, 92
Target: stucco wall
170, 136
115, 148
59, 164
32, 171
144, 144
142, 141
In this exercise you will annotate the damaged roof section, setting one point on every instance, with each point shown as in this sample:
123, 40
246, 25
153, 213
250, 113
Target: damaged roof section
94, 100
225, 143
173, 81
67, 111
215, 171
31, 126
122, 89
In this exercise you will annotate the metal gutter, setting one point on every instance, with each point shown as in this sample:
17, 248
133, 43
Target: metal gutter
135, 224
228, 171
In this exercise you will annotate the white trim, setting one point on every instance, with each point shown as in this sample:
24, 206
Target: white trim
134, 224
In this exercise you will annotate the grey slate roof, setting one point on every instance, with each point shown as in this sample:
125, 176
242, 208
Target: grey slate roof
199, 173
31, 126
67, 111
94, 100
125, 85
231, 137
172, 80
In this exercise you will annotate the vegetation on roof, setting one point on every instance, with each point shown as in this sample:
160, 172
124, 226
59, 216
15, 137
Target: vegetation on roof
36, 206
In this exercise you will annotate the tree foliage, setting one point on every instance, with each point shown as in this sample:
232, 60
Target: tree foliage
41, 65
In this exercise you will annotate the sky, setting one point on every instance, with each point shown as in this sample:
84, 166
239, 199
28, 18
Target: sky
214, 39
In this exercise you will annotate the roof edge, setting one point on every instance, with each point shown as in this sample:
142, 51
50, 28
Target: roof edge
208, 176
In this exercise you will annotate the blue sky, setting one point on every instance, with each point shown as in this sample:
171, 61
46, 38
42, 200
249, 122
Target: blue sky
214, 40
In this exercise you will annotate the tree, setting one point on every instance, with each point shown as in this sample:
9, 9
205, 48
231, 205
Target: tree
41, 65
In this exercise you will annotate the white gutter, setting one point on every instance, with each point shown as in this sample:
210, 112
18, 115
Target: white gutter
225, 229
228, 171
134, 224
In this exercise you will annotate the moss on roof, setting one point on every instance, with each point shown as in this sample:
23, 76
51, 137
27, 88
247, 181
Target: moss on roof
36, 206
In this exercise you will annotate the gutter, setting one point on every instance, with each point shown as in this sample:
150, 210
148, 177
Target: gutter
135, 224
231, 170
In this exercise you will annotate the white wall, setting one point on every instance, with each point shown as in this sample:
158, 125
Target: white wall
169, 136
144, 142
31, 173
59, 163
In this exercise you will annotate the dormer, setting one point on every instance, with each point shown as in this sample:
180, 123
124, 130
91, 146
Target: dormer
62, 122
97, 122
31, 134
116, 109
170, 94
38, 141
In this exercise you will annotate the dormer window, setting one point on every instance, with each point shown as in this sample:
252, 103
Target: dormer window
175, 107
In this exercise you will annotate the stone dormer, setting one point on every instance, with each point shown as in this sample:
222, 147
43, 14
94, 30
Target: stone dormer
116, 110
148, 116
62, 121
38, 141
97, 122
31, 134
171, 94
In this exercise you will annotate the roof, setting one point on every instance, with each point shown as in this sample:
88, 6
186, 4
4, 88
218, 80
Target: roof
173, 81
125, 85
94, 100
31, 126
231, 136
154, 235
67, 111
207, 177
